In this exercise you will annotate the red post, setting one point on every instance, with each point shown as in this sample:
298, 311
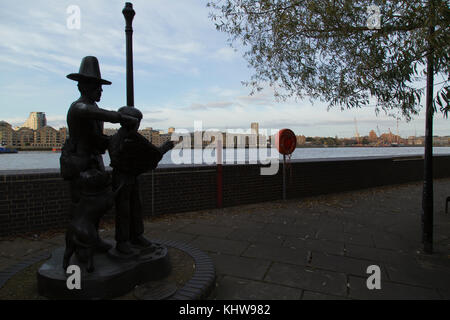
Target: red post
219, 173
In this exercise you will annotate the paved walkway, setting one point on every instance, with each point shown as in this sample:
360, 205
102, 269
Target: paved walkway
315, 248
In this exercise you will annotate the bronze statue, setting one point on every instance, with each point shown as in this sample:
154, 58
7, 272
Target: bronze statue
95, 199
135, 260
131, 155
86, 143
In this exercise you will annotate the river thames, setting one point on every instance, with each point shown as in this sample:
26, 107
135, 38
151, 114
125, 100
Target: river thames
47, 159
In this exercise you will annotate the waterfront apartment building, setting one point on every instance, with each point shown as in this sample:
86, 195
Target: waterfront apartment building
45, 137
35, 121
159, 139
147, 133
6, 133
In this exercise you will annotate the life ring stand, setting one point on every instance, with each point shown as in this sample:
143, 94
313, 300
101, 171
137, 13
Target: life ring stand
285, 141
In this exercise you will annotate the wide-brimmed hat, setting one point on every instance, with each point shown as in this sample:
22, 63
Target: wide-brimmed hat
89, 71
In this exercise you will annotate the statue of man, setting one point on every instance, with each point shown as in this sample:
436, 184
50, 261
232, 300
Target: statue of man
86, 144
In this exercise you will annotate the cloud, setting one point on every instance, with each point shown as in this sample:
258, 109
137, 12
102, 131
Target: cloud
146, 120
211, 105
223, 92
39, 38
225, 54
258, 98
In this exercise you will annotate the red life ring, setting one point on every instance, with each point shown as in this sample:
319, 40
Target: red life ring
285, 141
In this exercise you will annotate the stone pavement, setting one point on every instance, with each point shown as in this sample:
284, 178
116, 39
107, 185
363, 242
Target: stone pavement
314, 248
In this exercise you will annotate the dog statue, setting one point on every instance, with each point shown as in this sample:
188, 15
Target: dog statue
96, 199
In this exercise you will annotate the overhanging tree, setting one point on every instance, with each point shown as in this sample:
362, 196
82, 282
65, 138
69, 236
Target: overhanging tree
335, 51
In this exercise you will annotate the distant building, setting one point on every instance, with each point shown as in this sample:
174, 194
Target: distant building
24, 137
46, 137
159, 139
147, 133
35, 121
255, 128
373, 137
440, 141
253, 141
109, 131
6, 134
301, 140
63, 134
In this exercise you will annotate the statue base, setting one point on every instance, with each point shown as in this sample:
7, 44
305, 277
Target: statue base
111, 278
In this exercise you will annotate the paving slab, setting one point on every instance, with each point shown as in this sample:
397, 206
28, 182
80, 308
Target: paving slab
6, 263
277, 254
170, 225
317, 245
358, 239
309, 295
249, 268
357, 228
19, 248
232, 288
164, 235
206, 230
432, 276
439, 259
308, 279
396, 242
218, 245
256, 236
389, 291
376, 254
347, 265
444, 293
290, 230
233, 222
272, 219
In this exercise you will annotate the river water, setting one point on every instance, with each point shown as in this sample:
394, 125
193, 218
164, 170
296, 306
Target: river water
48, 159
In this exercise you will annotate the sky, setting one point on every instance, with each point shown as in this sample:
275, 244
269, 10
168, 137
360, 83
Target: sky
184, 71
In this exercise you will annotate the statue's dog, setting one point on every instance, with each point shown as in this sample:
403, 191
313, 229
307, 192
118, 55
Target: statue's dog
96, 199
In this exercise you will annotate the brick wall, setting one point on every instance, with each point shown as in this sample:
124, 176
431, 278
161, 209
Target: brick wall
37, 200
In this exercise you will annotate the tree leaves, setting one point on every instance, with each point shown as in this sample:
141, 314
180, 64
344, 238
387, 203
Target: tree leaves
324, 49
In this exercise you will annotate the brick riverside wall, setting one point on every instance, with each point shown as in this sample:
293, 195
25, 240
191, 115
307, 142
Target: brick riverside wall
38, 200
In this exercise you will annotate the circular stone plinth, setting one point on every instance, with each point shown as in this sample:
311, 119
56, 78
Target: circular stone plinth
111, 277
193, 273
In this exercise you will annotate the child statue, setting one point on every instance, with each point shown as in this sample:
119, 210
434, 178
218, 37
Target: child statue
131, 155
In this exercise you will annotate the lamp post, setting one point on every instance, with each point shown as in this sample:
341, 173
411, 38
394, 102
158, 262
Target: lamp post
129, 13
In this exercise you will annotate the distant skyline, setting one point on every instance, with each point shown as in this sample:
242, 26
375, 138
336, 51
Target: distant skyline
184, 71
